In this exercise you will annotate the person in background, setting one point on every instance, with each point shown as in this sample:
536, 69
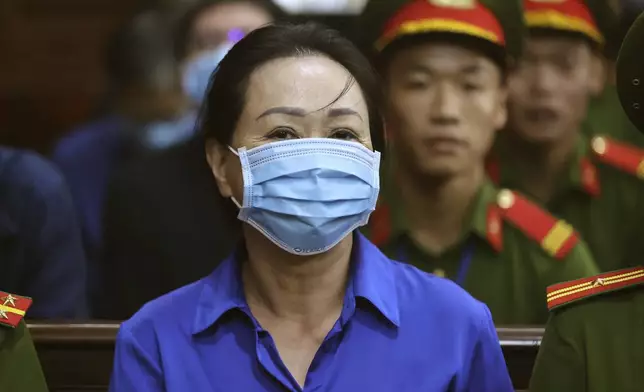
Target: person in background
293, 123
446, 89
146, 113
593, 183
206, 33
41, 253
594, 339
19, 366
164, 222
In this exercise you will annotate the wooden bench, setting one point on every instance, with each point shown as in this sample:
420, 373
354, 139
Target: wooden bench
78, 357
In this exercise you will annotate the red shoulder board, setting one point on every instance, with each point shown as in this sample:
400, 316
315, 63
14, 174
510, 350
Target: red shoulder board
619, 155
380, 224
12, 309
568, 292
555, 236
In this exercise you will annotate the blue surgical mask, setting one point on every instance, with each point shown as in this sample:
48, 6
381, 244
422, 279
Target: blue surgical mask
196, 75
306, 195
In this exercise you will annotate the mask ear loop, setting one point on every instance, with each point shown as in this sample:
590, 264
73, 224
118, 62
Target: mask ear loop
233, 197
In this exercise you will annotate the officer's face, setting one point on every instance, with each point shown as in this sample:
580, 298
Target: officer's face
445, 104
550, 88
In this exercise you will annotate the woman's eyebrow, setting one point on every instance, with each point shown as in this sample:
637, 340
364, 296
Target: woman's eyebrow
299, 112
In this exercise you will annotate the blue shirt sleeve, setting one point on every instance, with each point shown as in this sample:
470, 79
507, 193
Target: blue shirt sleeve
135, 368
54, 251
488, 371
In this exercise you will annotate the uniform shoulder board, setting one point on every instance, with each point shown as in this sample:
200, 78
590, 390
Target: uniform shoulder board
564, 293
13, 309
620, 155
554, 235
380, 224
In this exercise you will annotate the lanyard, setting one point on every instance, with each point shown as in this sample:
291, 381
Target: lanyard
464, 263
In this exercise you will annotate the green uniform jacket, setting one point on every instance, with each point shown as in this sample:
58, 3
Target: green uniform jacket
20, 369
603, 202
606, 117
595, 343
509, 271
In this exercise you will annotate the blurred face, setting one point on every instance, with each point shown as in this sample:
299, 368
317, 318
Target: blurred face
289, 99
445, 104
550, 88
212, 27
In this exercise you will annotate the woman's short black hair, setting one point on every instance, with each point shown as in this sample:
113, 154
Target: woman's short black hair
226, 95
185, 24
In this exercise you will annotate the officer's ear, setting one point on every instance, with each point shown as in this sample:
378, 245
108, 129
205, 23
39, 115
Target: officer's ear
598, 74
500, 117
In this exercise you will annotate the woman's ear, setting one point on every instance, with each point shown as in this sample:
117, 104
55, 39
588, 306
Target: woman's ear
501, 113
217, 156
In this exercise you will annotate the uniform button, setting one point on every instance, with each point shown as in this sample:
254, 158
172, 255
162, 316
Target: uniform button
505, 199
439, 272
599, 145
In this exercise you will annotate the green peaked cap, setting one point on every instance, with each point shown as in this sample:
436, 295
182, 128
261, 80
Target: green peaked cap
630, 73
509, 13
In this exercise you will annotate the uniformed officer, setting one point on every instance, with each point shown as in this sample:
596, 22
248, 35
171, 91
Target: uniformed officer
593, 183
594, 339
444, 64
19, 366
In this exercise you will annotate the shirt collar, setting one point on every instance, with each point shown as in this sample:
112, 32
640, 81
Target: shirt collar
476, 220
581, 174
371, 279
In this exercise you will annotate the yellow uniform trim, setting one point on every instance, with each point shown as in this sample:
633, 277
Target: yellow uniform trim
556, 237
589, 285
559, 21
443, 25
12, 310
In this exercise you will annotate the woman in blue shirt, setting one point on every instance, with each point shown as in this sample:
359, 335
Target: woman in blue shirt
293, 129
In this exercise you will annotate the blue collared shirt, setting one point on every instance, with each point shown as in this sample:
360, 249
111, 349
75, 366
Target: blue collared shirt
400, 330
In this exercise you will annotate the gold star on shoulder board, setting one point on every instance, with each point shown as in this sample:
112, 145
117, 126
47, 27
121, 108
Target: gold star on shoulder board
3, 314
9, 299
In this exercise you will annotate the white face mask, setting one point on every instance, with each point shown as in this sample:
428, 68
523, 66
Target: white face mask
196, 75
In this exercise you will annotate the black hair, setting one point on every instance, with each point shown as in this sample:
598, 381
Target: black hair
185, 24
138, 49
226, 95
486, 48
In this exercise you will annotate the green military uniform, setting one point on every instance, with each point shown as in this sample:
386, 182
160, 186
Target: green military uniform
606, 117
600, 194
510, 250
19, 366
20, 370
512, 261
594, 340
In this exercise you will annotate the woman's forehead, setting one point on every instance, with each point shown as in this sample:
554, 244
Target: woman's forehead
310, 82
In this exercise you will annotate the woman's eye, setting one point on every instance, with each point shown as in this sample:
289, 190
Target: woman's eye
283, 134
344, 134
